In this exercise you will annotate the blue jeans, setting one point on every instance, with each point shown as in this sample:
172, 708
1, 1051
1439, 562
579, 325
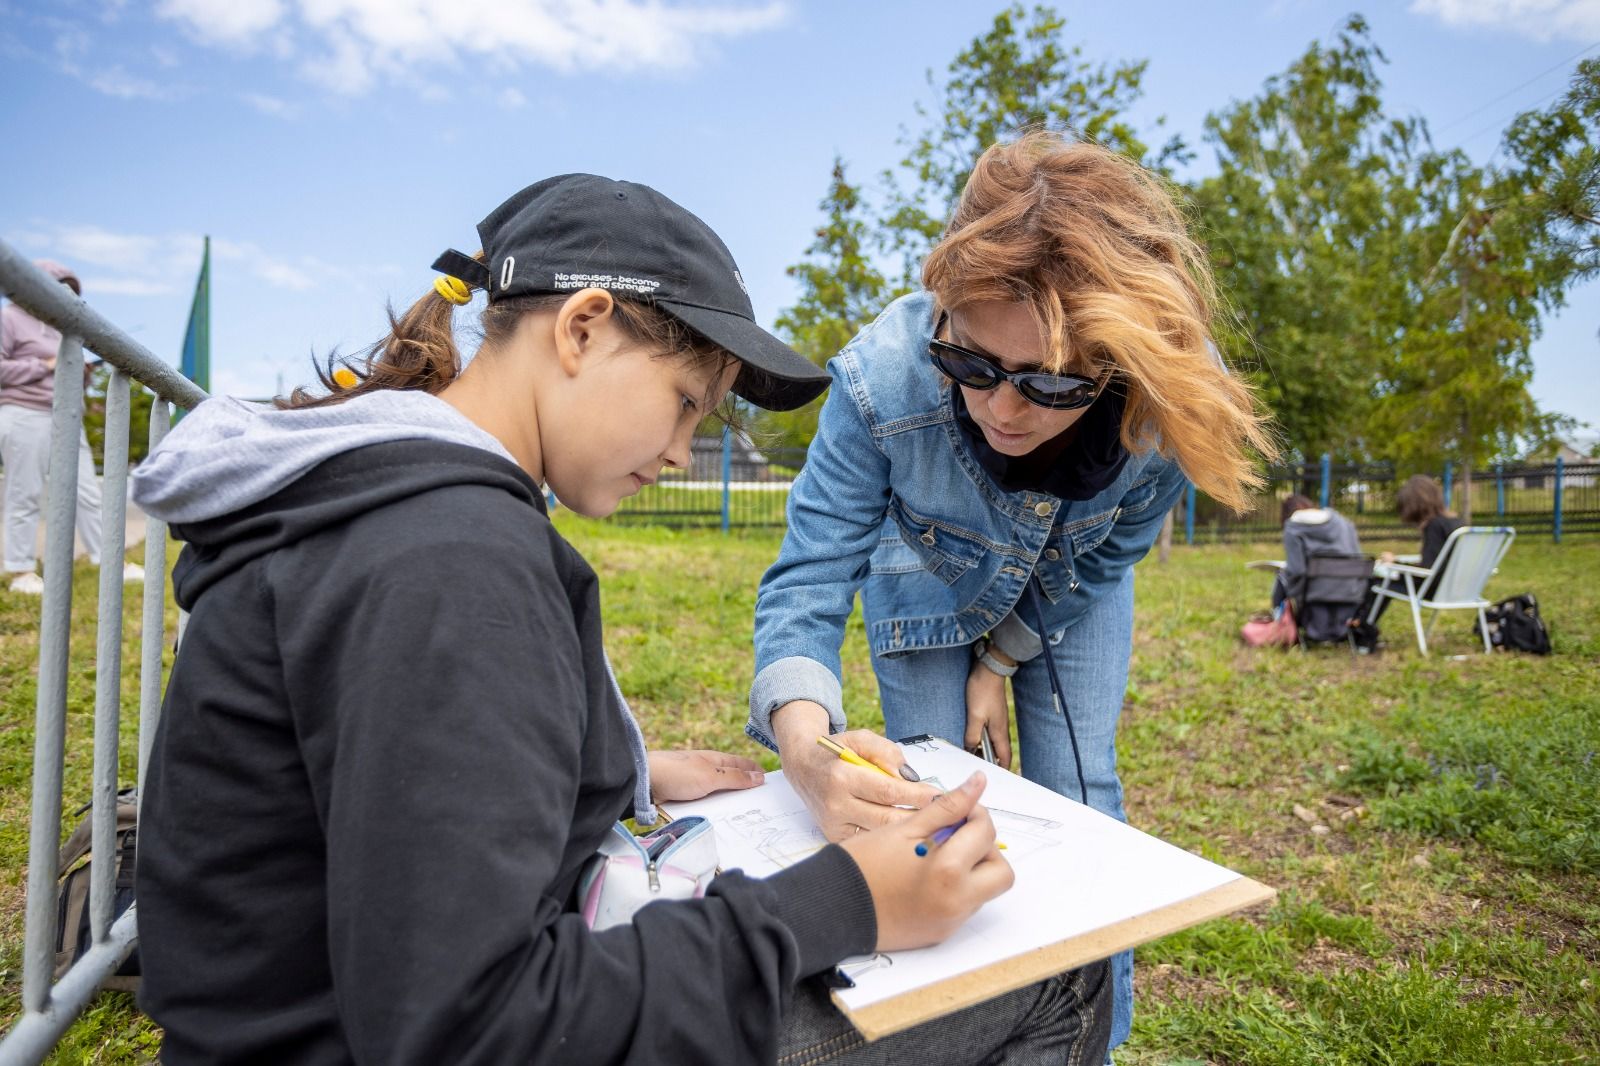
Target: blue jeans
1061, 1021
926, 692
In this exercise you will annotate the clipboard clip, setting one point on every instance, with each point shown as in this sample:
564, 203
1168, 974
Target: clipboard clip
835, 979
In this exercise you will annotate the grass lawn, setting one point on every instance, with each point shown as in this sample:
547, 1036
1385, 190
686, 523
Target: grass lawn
1433, 825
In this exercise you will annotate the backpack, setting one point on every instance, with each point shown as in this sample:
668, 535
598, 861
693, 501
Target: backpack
1515, 625
73, 935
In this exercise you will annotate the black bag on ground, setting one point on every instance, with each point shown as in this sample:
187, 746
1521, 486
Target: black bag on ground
73, 936
1515, 625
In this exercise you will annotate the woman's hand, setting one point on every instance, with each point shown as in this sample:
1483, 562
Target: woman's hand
987, 712
1386, 557
689, 775
844, 799
922, 899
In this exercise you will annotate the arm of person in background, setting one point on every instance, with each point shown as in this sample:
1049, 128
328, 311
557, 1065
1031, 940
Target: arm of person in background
1294, 566
835, 513
18, 370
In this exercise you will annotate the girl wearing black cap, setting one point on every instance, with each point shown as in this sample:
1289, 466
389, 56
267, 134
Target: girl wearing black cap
391, 739
995, 455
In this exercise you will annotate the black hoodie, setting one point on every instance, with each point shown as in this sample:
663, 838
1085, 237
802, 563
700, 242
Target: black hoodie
389, 743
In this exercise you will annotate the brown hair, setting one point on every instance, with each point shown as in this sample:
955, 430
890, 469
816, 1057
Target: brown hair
1098, 250
1291, 504
1419, 499
420, 351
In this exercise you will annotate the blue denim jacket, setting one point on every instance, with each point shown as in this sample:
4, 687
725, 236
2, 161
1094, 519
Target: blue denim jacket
892, 502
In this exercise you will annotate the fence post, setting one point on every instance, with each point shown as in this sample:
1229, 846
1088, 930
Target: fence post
1500, 489
1560, 470
727, 475
1327, 463
1188, 514
50, 698
1449, 483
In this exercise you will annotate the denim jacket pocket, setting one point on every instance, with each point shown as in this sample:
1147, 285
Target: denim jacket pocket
944, 553
892, 556
1087, 534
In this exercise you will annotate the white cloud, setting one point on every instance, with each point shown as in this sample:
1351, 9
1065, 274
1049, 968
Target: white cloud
142, 264
115, 81
235, 22
1541, 20
348, 45
512, 99
128, 287
270, 105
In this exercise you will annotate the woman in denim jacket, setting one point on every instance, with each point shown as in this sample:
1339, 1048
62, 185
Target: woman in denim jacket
996, 453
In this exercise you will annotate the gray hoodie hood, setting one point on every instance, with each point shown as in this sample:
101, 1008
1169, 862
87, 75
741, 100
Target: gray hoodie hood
1320, 529
227, 454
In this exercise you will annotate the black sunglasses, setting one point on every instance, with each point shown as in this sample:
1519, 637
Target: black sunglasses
974, 370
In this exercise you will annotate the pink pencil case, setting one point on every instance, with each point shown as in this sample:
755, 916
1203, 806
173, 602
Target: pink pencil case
676, 861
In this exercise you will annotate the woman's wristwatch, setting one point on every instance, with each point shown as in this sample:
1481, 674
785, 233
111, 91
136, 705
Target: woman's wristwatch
983, 651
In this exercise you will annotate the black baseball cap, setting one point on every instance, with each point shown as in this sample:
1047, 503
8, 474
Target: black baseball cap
580, 231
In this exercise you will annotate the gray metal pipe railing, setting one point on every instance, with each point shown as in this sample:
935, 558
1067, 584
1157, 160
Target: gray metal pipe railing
47, 1010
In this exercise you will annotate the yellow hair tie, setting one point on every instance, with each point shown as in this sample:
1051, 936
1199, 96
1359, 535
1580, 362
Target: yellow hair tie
453, 289
345, 378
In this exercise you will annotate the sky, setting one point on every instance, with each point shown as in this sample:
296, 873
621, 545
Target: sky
332, 148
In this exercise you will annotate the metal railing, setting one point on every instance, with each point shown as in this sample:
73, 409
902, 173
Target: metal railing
1535, 498
48, 1009
729, 483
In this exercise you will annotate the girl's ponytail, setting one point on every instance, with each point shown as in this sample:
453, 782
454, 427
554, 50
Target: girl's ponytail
418, 353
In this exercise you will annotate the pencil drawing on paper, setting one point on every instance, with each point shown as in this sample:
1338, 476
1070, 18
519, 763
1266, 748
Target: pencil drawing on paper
781, 837
1025, 834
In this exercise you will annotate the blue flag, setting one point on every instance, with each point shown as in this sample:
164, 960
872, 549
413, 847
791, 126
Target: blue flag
196, 364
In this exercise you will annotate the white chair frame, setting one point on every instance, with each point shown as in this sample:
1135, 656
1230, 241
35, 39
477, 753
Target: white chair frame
1471, 555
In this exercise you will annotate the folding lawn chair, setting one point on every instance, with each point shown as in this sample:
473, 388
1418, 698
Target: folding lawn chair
1455, 583
1335, 585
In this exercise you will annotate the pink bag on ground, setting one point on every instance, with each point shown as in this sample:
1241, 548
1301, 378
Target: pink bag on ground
1277, 632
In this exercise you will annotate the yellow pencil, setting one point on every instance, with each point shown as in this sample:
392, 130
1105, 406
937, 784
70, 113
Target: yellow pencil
849, 756
855, 760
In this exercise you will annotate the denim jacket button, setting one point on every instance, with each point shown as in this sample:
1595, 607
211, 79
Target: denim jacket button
1052, 554
1042, 509
927, 538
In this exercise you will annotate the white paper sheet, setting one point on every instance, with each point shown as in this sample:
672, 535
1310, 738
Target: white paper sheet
1077, 869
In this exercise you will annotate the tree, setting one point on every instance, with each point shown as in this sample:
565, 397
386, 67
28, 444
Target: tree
1456, 383
1302, 227
1019, 74
94, 416
840, 291
1557, 173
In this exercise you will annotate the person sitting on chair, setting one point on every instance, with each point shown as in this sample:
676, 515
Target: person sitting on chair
1420, 503
1308, 529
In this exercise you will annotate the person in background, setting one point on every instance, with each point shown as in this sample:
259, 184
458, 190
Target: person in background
28, 350
1308, 529
1421, 503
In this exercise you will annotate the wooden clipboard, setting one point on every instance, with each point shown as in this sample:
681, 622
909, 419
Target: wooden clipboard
1156, 890
970, 989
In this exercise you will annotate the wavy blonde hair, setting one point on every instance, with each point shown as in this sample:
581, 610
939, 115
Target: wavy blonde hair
1099, 251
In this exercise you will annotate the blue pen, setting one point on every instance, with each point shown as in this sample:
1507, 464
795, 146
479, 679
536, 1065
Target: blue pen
939, 837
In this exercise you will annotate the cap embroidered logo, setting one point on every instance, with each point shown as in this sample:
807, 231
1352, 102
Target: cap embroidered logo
506, 270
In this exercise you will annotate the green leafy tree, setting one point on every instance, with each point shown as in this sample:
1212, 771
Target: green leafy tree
1456, 383
1557, 173
1021, 73
94, 417
841, 290
1303, 223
